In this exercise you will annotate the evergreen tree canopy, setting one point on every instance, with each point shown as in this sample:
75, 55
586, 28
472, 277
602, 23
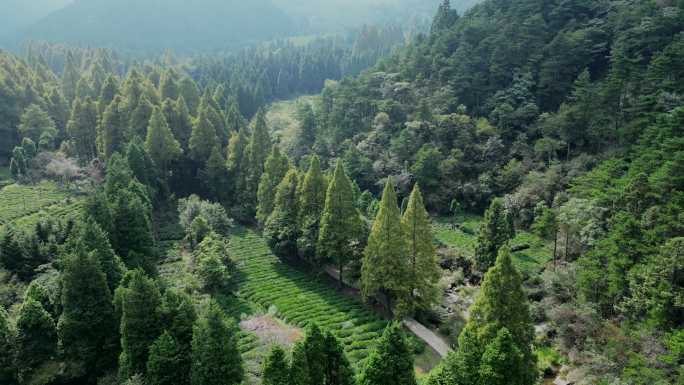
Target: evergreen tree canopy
391, 362
340, 222
281, 227
386, 261
160, 142
496, 230
311, 205
275, 169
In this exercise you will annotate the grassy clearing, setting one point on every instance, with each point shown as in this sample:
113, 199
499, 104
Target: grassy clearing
17, 202
281, 117
464, 239
299, 298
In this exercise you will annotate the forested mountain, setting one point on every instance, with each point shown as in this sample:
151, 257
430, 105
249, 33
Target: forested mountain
155, 25
19, 14
156, 229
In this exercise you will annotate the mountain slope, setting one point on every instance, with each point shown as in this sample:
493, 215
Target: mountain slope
161, 24
18, 14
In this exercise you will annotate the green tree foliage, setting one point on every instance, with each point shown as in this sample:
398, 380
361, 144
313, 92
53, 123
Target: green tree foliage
81, 128
282, 228
237, 164
275, 168
12, 254
496, 343
213, 265
311, 205
215, 356
35, 122
424, 269
87, 328
178, 318
164, 363
319, 359
168, 85
276, 368
258, 150
36, 340
216, 175
112, 127
7, 368
234, 119
496, 230
391, 362
190, 94
140, 323
160, 142
340, 223
386, 268
203, 138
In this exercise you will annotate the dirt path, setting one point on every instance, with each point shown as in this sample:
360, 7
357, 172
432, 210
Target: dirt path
430, 338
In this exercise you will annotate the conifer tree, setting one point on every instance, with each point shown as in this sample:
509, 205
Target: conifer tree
58, 109
340, 222
69, 78
82, 129
385, 266
92, 238
133, 238
87, 328
216, 174
237, 163
83, 88
160, 143
12, 254
203, 138
424, 269
139, 119
34, 122
311, 205
168, 87
190, 93
276, 369
211, 111
110, 135
7, 369
281, 228
234, 119
258, 150
36, 340
141, 164
391, 362
499, 324
216, 359
110, 89
178, 318
495, 231
163, 365
338, 370
274, 171
140, 323
182, 124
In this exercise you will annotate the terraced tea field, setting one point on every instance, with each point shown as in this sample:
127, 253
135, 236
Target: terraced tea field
299, 298
25, 205
464, 239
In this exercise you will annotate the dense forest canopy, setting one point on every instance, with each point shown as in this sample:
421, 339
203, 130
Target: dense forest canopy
508, 183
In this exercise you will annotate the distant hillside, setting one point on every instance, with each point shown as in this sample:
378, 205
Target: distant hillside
161, 24
17, 14
332, 15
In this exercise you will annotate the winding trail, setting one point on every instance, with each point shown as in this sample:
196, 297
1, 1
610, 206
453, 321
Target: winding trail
427, 335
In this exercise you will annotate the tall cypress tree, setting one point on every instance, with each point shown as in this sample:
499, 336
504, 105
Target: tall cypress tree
319, 359
168, 86
234, 119
237, 163
163, 366
215, 356
276, 369
340, 222
391, 362
258, 150
311, 205
386, 267
178, 318
140, 323
424, 269
160, 143
281, 227
203, 138
190, 93
7, 368
499, 329
36, 340
139, 119
274, 171
110, 135
495, 231
91, 238
109, 90
81, 128
87, 328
